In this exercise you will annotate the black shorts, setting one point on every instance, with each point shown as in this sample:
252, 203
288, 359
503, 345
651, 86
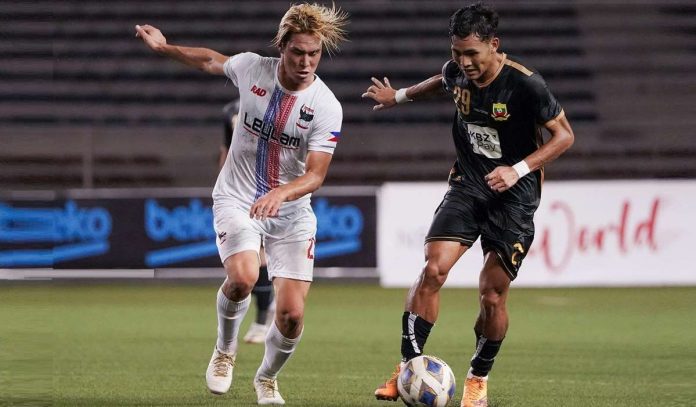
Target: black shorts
505, 227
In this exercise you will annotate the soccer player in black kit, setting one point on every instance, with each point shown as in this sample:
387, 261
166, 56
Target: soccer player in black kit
494, 185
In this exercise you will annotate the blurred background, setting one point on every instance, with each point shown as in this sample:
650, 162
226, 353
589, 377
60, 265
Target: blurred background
84, 104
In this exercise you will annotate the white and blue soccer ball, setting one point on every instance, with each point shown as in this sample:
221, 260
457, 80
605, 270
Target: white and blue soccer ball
426, 381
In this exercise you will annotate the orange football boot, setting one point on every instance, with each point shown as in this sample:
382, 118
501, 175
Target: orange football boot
475, 392
389, 391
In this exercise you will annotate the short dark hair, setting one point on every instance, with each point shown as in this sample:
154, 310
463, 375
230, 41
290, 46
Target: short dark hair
477, 19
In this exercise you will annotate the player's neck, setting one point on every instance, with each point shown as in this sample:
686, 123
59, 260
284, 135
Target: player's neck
287, 82
492, 72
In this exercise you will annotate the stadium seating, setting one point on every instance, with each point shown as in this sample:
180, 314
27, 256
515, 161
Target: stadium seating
81, 97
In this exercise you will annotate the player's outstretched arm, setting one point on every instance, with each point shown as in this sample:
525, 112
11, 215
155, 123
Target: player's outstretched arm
386, 96
203, 59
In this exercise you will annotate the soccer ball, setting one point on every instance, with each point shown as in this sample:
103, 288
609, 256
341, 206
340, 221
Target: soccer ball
426, 381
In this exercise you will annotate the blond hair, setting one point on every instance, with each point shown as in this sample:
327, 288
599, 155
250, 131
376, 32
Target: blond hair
326, 23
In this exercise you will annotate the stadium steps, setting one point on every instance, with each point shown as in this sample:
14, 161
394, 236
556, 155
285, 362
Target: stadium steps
97, 23
47, 171
75, 65
645, 81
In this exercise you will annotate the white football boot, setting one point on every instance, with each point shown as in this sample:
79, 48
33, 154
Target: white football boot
218, 376
267, 391
256, 333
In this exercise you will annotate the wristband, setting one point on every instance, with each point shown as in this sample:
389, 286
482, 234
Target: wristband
521, 168
401, 96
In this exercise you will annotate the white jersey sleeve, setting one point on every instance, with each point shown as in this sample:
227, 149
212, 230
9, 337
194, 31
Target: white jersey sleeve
327, 129
237, 66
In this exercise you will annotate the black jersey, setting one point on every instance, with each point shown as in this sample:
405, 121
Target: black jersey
498, 124
229, 112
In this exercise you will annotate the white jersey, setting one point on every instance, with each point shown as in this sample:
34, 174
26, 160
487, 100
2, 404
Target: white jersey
275, 130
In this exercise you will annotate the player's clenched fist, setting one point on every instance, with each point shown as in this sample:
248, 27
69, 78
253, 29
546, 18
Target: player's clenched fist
502, 178
152, 37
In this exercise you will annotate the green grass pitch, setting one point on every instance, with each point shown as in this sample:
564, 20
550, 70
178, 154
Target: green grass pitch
147, 344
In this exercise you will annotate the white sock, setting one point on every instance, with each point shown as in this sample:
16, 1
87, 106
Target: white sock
469, 375
278, 351
230, 316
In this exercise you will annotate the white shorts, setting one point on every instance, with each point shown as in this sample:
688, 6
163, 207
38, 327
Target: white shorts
288, 240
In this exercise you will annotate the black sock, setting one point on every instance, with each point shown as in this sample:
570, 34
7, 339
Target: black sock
479, 335
414, 333
264, 295
483, 359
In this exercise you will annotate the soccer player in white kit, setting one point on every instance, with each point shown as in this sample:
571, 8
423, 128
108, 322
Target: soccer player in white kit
289, 124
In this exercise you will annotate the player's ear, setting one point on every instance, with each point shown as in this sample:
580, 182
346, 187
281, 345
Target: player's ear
494, 44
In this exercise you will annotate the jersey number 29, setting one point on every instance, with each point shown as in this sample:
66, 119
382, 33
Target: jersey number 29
462, 98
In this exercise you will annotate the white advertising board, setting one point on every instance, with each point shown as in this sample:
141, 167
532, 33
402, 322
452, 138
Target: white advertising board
588, 233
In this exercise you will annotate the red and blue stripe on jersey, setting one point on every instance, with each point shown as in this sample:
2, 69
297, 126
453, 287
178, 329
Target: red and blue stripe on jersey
268, 151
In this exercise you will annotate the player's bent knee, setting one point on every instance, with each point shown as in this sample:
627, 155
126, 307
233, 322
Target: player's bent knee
237, 289
434, 276
290, 319
492, 299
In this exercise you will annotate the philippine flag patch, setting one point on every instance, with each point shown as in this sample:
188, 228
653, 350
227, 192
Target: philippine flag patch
334, 136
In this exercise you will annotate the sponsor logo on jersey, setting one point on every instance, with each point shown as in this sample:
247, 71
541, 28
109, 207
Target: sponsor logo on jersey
500, 112
306, 116
267, 132
258, 91
484, 140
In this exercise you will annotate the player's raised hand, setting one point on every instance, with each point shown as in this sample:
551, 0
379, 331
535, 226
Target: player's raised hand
502, 178
152, 37
382, 93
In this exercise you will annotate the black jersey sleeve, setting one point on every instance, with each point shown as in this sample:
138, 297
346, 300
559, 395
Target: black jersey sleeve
546, 107
449, 75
